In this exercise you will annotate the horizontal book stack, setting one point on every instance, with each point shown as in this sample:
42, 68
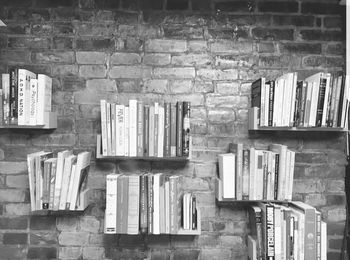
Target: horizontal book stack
149, 204
142, 130
25, 98
293, 231
252, 174
320, 100
58, 183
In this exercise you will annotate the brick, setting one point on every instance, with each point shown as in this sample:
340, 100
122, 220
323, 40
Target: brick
18, 181
186, 254
15, 56
15, 238
13, 167
93, 252
92, 71
65, 70
156, 45
191, 60
32, 43
335, 186
126, 30
12, 195
318, 35
130, 72
159, 255
42, 29
195, 184
13, 223
20, 14
181, 32
67, 223
65, 14
156, 59
320, 8
231, 88
233, 241
56, 140
300, 48
73, 238
13, 252
42, 223
314, 61
332, 22
235, 6
233, 61
278, 7
316, 199
218, 101
116, 253
273, 34
95, 29
69, 252
89, 111
217, 116
103, 85
215, 254
42, 252
195, 46
279, 61
203, 86
207, 241
131, 241
212, 74
174, 73
89, 224
18, 209
155, 86
335, 61
53, 57
335, 48
205, 199
231, 47
297, 20
336, 200
129, 86
89, 57
43, 238
308, 186
63, 28
95, 43
180, 86
125, 59
336, 214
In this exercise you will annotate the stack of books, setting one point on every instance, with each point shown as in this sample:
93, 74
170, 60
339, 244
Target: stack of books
148, 204
320, 100
252, 174
141, 130
25, 98
58, 183
293, 231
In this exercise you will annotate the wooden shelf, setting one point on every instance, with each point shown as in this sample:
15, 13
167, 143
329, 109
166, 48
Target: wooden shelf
51, 118
100, 156
253, 125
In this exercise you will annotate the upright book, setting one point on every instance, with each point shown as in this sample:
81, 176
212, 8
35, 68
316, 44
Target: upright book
44, 98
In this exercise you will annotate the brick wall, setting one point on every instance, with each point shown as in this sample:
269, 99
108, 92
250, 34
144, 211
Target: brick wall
207, 53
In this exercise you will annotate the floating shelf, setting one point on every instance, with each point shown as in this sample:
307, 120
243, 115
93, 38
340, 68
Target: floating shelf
100, 156
253, 125
50, 117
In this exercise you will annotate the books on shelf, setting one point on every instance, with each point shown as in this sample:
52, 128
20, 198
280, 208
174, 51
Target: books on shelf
320, 100
150, 203
252, 174
25, 98
289, 231
58, 183
145, 130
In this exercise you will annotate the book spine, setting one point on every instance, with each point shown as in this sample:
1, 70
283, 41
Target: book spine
46, 173
126, 130
109, 129
151, 131
21, 97
6, 97
146, 132
186, 129
120, 130
245, 175
275, 192
302, 103
160, 132
52, 184
140, 127
132, 127
120, 201
270, 232
111, 204
150, 203
103, 106
173, 130
44, 97
13, 96
271, 101
194, 212
125, 205
173, 205
133, 205
33, 101
320, 102
113, 129
1, 107
143, 204
179, 127
167, 129
318, 235
156, 129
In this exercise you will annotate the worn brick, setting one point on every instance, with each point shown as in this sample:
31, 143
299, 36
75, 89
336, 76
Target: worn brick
16, 252
314, 61
90, 224
65, 70
43, 238
297, 20
13, 167
89, 57
308, 186
103, 85
174, 73
211, 74
12, 195
278, 7
197, 46
231, 47
155, 86
156, 59
53, 57
191, 60
321, 35
42, 252
336, 214
69, 252
62, 43
186, 254
130, 72
272, 61
125, 59
180, 86
13, 223
335, 48
15, 56
93, 252
17, 181
67, 223
320, 8
42, 223
232, 6
301, 48
129, 86
332, 22
218, 101
18, 209
15, 238
233, 61
95, 43
174, 46
73, 238
273, 34
215, 254
231, 88
203, 86
33, 43
92, 71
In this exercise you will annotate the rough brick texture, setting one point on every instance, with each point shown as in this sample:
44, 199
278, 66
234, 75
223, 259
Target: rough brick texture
204, 51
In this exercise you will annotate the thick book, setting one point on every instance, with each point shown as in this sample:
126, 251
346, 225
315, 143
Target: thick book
227, 175
120, 130
179, 127
23, 109
80, 178
167, 128
173, 121
39, 178
44, 98
111, 204
133, 205
278, 102
33, 102
143, 203
257, 230
175, 203
103, 107
282, 151
46, 183
245, 174
132, 127
323, 240
52, 182
252, 173
268, 227
5, 82
258, 98
237, 149
13, 96
69, 161
186, 129
122, 204
146, 131
271, 95
156, 203
140, 127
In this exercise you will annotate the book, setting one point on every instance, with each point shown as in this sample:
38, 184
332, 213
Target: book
103, 107
227, 175
194, 216
160, 137
167, 129
146, 131
268, 227
132, 127
323, 240
179, 127
258, 98
23, 109
126, 131
167, 204
109, 128
156, 129
282, 151
111, 204
278, 104
156, 203
245, 174
122, 204
5, 80
143, 203
173, 127
237, 149
46, 183
80, 176
52, 182
120, 130
150, 202
271, 95
39, 179
151, 131
257, 229
252, 245
186, 129
252, 174
44, 98
33, 96
140, 127
133, 205
69, 161
13, 96
113, 129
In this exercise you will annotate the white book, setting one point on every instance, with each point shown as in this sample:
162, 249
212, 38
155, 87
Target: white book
167, 206
113, 130
39, 177
151, 131
324, 244
263, 103
103, 105
287, 98
109, 129
160, 131
33, 101
126, 130
133, 205
120, 130
70, 186
227, 175
31, 160
308, 104
52, 182
313, 103
59, 174
291, 175
259, 174
278, 232
253, 160
156, 208
67, 170
23, 109
132, 127
80, 177
345, 103
44, 98
111, 204
278, 101
252, 246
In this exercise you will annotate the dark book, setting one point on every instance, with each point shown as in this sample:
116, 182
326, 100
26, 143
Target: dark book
194, 212
46, 183
277, 165
143, 203
297, 104
13, 96
122, 204
40, 180
140, 128
186, 129
270, 232
167, 129
256, 92
341, 101
146, 131
179, 127
271, 100
173, 121
302, 86
256, 229
320, 102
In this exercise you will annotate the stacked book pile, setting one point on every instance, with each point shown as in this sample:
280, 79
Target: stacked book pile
321, 100
252, 174
142, 130
58, 183
151, 203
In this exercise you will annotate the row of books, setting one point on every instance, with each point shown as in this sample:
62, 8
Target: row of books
295, 231
57, 183
25, 98
252, 174
148, 204
137, 129
320, 100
